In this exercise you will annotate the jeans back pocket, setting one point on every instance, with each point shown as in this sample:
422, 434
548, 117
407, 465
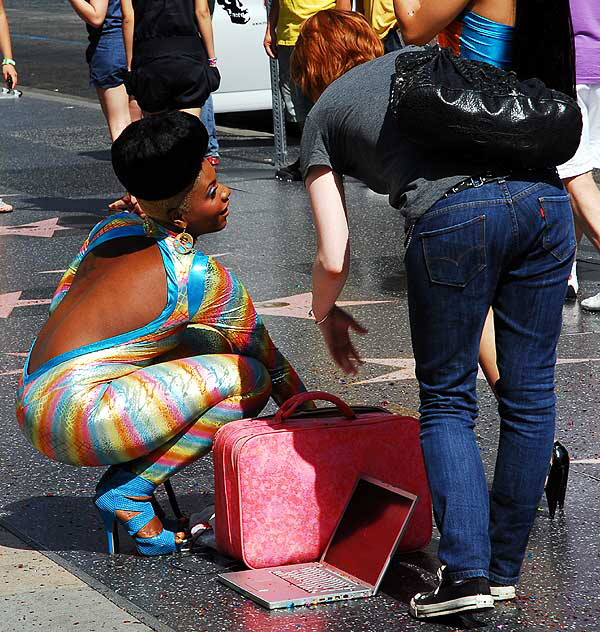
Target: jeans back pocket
456, 254
559, 231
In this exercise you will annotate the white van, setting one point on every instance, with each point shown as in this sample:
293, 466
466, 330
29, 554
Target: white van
239, 28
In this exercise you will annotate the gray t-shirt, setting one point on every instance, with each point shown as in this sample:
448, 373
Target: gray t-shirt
351, 130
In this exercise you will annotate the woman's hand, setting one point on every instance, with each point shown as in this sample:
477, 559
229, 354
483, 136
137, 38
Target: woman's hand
8, 70
336, 333
270, 43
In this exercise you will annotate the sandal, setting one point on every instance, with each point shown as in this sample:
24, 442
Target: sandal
124, 497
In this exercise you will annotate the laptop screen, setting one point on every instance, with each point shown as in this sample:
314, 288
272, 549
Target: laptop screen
368, 530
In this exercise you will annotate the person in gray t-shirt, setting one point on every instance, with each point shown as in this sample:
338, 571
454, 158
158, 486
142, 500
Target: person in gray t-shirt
506, 242
351, 130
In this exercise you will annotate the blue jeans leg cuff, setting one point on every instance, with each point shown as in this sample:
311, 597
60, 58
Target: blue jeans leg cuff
466, 574
503, 581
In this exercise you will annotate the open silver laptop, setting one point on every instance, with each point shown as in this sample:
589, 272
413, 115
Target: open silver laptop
354, 561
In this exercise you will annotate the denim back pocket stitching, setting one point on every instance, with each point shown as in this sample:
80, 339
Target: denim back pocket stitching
455, 262
559, 236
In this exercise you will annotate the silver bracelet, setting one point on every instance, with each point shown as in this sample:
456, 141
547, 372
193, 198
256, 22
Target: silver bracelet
327, 315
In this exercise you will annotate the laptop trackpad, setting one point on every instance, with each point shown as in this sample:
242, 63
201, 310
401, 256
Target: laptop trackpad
266, 583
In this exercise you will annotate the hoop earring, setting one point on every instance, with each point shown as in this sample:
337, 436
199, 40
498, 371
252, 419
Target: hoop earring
183, 243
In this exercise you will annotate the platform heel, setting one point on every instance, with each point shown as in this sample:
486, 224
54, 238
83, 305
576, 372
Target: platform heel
556, 483
116, 491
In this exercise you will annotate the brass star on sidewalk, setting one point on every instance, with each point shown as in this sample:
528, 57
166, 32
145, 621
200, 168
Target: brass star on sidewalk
298, 305
43, 228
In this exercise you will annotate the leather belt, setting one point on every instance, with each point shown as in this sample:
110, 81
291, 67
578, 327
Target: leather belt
549, 176
474, 182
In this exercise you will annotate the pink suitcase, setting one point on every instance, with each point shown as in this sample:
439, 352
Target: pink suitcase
281, 482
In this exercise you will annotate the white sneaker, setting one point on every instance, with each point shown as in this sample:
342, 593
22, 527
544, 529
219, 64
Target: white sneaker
502, 593
573, 283
592, 304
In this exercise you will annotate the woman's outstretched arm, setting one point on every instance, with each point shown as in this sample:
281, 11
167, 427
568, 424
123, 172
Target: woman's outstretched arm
332, 263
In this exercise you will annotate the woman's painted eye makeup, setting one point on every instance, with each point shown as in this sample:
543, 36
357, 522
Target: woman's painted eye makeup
212, 191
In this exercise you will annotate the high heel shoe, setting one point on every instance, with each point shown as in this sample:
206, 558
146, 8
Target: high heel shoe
116, 491
556, 483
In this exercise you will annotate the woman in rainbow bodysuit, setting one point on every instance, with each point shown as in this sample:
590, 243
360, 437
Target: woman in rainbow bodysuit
150, 345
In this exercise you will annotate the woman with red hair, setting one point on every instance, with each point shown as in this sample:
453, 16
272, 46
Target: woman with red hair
503, 240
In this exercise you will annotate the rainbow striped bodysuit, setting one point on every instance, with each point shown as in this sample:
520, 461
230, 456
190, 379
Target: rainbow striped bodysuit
472, 36
153, 398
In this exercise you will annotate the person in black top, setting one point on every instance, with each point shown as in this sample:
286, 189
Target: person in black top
170, 54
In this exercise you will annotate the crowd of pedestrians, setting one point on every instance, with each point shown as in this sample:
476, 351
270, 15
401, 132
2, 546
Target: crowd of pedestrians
509, 233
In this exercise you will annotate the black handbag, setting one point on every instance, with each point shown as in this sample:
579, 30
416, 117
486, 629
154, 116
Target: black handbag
478, 112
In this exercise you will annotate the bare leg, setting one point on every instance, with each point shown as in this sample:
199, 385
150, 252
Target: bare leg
487, 352
585, 200
115, 107
135, 112
119, 111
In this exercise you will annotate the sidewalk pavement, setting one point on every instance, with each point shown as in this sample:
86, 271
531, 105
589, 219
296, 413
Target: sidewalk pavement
38, 594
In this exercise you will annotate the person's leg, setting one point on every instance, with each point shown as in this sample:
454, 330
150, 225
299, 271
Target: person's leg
528, 314
578, 180
452, 270
207, 116
297, 107
168, 413
452, 266
243, 388
115, 107
487, 352
586, 205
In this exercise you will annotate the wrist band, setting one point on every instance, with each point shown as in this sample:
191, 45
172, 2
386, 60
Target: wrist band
7, 61
212, 61
327, 315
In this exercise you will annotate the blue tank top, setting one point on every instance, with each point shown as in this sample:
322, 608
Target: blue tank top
113, 21
474, 37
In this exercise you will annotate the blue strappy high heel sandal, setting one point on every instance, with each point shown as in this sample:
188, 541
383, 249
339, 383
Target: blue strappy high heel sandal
115, 492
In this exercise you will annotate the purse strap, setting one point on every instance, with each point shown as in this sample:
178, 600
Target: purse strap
288, 407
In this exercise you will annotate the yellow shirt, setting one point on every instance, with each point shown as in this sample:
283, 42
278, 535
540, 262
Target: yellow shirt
291, 15
380, 15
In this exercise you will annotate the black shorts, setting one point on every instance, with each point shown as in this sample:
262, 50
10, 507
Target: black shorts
171, 74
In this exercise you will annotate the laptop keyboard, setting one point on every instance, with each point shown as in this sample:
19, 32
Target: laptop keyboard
315, 579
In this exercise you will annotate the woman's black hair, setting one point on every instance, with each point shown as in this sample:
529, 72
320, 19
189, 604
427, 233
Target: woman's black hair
544, 46
160, 156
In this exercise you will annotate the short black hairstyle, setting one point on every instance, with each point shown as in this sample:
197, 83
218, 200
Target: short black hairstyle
159, 156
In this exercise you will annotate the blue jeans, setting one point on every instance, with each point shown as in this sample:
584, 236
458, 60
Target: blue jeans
507, 245
207, 116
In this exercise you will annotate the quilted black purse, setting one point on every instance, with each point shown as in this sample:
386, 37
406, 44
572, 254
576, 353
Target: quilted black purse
475, 111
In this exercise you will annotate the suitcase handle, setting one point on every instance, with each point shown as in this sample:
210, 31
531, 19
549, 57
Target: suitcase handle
290, 405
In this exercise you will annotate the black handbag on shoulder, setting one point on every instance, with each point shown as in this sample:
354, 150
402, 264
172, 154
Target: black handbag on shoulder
478, 112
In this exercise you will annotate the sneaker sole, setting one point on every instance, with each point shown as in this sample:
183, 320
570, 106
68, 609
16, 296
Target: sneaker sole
473, 602
503, 593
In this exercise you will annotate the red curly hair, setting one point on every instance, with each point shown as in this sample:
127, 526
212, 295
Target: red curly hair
331, 42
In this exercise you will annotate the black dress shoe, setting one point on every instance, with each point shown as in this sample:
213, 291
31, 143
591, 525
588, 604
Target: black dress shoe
451, 597
290, 173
